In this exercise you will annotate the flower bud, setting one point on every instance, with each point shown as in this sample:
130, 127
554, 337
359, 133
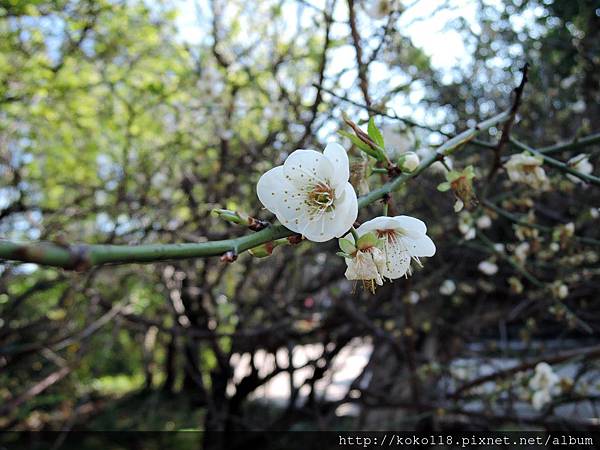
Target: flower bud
409, 161
262, 251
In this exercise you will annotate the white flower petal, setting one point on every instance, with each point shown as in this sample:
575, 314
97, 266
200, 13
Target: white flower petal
365, 266
397, 260
378, 223
410, 224
345, 212
271, 189
316, 229
338, 157
305, 168
423, 246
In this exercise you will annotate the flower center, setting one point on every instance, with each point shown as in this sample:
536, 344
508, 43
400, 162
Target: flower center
529, 168
390, 235
321, 197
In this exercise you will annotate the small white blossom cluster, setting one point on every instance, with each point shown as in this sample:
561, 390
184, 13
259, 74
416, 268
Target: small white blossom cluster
310, 194
544, 384
527, 168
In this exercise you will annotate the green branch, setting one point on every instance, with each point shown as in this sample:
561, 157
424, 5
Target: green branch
573, 145
82, 257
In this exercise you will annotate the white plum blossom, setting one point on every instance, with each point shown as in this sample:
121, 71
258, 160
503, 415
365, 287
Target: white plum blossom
581, 163
310, 193
526, 168
403, 238
545, 384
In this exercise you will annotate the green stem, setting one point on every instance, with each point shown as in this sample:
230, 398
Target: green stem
81, 257
354, 235
379, 170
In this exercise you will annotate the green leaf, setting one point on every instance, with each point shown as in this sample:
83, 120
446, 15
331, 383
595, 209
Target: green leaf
347, 246
443, 187
360, 144
367, 240
374, 133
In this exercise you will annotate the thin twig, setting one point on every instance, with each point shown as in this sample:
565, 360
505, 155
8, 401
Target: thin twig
509, 123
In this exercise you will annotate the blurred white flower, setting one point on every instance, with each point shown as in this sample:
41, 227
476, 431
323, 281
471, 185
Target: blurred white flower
544, 377
487, 268
484, 222
578, 106
413, 297
544, 383
404, 239
582, 164
526, 168
521, 251
541, 399
448, 287
465, 226
560, 290
595, 213
310, 193
566, 83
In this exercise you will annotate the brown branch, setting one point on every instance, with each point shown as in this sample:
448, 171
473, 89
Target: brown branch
362, 67
504, 138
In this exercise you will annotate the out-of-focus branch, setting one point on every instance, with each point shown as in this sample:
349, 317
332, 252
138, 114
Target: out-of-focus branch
379, 112
513, 218
362, 66
584, 353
